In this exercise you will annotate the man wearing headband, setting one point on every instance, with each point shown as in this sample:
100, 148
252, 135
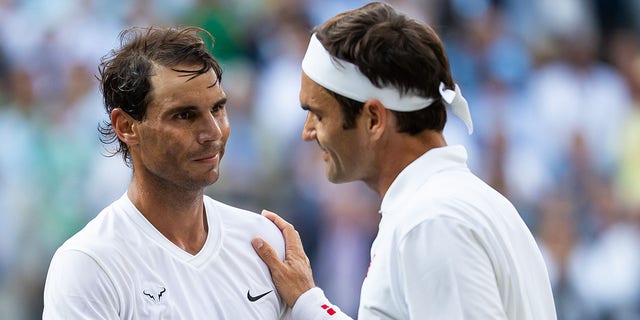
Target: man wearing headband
377, 86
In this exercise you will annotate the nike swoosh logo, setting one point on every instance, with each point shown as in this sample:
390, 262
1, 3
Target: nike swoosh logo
256, 298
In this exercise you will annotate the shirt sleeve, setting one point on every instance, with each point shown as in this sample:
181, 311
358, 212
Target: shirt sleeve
313, 305
78, 288
445, 273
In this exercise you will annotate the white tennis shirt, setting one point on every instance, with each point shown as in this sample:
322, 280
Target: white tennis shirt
448, 247
120, 267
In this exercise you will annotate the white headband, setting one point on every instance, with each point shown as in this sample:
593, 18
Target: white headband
346, 79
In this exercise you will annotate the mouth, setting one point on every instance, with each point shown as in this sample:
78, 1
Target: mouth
325, 153
209, 158
325, 156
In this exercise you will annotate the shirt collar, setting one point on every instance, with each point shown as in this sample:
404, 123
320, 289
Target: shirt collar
418, 172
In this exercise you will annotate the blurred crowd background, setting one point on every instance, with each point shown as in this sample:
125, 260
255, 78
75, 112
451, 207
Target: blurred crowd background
553, 86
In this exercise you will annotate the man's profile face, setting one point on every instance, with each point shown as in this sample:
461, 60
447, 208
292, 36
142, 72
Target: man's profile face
185, 129
342, 149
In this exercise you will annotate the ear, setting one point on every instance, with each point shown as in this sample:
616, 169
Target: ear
124, 126
376, 117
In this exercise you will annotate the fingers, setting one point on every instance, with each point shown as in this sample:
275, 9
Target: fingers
266, 253
292, 240
277, 220
293, 276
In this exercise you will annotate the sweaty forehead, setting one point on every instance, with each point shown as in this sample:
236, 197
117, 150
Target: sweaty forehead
180, 73
169, 86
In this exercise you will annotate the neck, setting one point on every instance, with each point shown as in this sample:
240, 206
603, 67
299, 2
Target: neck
397, 153
178, 214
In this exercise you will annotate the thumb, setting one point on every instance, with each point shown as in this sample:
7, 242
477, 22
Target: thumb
266, 253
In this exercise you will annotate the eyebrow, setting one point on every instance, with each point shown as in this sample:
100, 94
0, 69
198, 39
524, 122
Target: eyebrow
179, 109
309, 108
220, 102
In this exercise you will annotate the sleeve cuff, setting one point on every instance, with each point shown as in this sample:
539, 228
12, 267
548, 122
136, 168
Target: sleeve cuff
313, 305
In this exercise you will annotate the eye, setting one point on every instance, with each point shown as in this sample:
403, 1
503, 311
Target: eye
184, 115
217, 108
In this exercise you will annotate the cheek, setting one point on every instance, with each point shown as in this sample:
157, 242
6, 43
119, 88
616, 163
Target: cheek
325, 133
225, 126
161, 141
348, 148
226, 131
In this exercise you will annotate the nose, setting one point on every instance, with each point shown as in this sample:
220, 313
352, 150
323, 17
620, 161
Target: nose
210, 129
308, 130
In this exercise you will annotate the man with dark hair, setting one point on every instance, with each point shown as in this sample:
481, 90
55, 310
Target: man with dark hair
164, 250
376, 85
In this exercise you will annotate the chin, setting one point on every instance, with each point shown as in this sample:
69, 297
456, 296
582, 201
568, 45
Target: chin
206, 180
213, 178
336, 178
